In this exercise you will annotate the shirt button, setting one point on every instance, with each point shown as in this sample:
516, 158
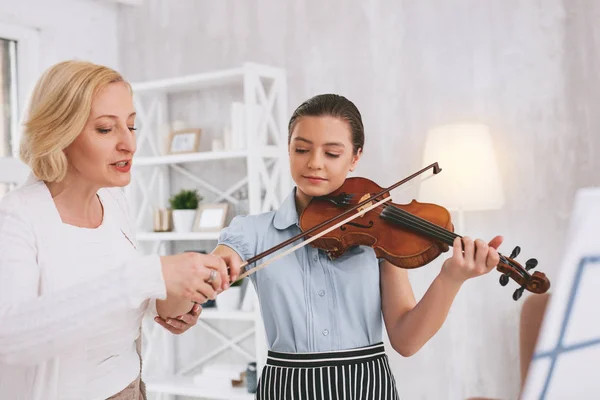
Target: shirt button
325, 332
316, 257
321, 293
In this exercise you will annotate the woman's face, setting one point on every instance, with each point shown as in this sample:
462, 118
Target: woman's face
102, 152
321, 154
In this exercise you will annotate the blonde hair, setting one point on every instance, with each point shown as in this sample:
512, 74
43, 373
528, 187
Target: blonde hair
59, 108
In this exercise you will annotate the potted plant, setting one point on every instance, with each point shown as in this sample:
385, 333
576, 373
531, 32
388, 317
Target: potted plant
183, 206
231, 298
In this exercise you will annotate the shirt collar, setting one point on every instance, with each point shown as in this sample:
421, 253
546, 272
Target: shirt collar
286, 215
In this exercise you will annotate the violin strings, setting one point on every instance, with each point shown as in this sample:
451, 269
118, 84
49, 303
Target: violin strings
401, 216
412, 221
407, 219
448, 235
423, 227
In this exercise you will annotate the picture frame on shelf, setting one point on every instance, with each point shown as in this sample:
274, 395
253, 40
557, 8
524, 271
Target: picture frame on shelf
211, 217
184, 141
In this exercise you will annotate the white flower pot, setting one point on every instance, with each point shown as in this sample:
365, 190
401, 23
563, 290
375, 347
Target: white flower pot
183, 220
229, 300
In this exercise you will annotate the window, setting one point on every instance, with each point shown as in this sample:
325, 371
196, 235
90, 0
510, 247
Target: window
8, 100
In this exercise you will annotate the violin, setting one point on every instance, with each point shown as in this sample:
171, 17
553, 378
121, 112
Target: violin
407, 235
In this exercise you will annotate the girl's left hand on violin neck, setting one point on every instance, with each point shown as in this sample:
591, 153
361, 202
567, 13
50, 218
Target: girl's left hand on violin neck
471, 258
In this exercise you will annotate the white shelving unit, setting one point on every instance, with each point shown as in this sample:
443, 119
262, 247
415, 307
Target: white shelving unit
264, 159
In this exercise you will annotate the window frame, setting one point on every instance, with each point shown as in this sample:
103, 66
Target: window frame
28, 68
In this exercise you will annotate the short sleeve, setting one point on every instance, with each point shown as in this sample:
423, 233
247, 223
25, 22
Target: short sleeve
240, 236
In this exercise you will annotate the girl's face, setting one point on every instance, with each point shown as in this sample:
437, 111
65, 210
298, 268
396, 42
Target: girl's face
321, 155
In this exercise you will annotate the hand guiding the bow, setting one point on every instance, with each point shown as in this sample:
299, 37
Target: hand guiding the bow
190, 278
196, 277
471, 258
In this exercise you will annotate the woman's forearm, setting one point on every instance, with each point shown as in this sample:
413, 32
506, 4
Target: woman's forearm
173, 307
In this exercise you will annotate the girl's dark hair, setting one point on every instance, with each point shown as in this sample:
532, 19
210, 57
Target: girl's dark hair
333, 105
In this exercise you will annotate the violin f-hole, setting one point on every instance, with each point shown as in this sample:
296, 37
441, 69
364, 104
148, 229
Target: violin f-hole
370, 225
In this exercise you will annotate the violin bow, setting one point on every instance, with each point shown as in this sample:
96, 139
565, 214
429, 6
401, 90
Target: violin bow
308, 241
436, 170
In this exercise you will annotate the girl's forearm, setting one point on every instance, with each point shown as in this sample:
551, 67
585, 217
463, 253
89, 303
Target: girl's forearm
418, 325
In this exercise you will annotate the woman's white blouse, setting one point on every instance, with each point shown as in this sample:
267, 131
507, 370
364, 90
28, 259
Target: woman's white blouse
71, 299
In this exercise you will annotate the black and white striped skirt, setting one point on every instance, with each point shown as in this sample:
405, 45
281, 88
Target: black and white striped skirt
356, 374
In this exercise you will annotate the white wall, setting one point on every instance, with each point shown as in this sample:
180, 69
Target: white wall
48, 32
65, 29
528, 69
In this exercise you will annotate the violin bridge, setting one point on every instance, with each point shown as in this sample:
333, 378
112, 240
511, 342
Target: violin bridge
360, 210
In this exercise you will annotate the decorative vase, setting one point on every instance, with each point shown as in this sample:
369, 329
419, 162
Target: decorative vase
183, 220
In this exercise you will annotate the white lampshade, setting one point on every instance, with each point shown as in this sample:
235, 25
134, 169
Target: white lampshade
469, 179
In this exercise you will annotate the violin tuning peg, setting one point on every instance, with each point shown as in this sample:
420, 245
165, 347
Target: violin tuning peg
515, 252
518, 293
531, 264
503, 279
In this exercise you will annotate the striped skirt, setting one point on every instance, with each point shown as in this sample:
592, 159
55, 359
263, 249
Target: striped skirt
356, 374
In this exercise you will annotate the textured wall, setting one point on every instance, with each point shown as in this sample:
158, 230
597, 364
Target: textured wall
525, 68
82, 29
61, 29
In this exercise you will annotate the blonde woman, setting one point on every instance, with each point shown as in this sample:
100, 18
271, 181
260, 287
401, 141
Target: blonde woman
73, 290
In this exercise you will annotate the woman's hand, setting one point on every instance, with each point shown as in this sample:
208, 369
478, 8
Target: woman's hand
194, 276
182, 323
471, 258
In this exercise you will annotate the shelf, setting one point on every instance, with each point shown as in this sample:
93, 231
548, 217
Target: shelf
171, 236
185, 386
257, 162
215, 314
192, 82
265, 151
188, 157
208, 79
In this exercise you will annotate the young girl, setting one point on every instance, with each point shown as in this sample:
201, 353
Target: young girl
323, 317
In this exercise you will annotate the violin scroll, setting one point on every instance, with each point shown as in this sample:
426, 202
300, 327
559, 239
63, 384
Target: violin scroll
537, 283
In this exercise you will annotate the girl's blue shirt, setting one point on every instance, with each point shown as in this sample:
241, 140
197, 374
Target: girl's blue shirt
308, 302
